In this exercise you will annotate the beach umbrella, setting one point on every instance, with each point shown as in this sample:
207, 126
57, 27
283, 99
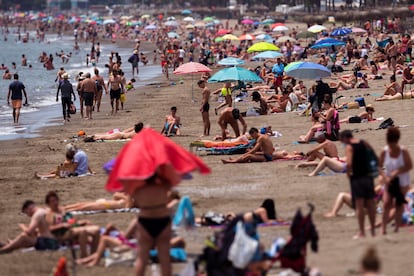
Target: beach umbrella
235, 74
200, 24
341, 32
247, 37
190, 26
146, 16
262, 46
267, 55
285, 38
306, 70
151, 27
326, 43
280, 28
277, 24
171, 18
263, 37
186, 12
356, 30
231, 61
173, 35
188, 19
247, 22
230, 37
268, 21
155, 154
222, 32
171, 24
305, 34
108, 21
316, 29
191, 68
208, 19
218, 39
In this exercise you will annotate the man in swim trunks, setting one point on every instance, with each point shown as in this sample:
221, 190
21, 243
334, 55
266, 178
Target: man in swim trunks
100, 87
261, 152
37, 234
16, 91
172, 123
115, 86
327, 146
264, 108
205, 106
230, 116
89, 90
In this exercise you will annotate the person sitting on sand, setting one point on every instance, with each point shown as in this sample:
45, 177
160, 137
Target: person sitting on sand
67, 168
366, 116
321, 119
345, 83
230, 116
327, 146
370, 263
263, 109
172, 123
334, 164
392, 89
115, 134
407, 77
118, 201
282, 102
65, 228
36, 234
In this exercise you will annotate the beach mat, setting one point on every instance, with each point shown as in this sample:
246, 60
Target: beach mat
111, 211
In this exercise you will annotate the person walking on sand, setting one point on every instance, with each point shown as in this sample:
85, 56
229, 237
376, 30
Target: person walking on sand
100, 86
362, 182
16, 91
134, 60
226, 93
66, 88
115, 87
205, 106
89, 91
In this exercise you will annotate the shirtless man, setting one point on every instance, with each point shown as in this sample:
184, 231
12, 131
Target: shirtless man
59, 75
115, 86
89, 90
172, 123
263, 109
100, 86
205, 106
261, 152
37, 234
230, 116
392, 52
327, 147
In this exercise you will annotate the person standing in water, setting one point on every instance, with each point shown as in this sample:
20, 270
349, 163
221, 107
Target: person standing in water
65, 87
16, 91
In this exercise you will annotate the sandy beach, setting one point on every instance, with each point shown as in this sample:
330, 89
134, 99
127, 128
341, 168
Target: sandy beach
230, 188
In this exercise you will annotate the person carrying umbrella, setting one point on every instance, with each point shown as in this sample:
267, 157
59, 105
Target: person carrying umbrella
277, 71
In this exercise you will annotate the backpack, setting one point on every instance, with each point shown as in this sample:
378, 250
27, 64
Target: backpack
386, 124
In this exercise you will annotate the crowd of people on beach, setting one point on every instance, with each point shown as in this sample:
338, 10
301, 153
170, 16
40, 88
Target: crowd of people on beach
373, 178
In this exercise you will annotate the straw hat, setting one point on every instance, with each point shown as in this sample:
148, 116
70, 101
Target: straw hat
65, 76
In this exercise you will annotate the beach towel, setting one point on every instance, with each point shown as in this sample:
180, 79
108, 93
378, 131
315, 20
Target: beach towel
214, 144
240, 149
184, 216
111, 211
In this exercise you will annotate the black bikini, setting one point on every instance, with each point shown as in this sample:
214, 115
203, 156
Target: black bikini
154, 226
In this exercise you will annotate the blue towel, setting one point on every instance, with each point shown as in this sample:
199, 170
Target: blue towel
177, 254
185, 214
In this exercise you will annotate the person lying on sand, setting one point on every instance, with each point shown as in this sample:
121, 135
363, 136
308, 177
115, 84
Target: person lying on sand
115, 134
325, 148
112, 238
36, 234
263, 150
367, 116
397, 96
118, 201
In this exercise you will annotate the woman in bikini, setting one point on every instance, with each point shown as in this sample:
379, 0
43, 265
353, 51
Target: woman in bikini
333, 163
393, 91
118, 201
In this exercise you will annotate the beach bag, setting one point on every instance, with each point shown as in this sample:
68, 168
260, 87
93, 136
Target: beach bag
72, 109
243, 248
372, 161
120, 256
386, 124
355, 120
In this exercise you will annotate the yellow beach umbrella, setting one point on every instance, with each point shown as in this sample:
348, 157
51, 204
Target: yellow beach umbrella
262, 46
230, 37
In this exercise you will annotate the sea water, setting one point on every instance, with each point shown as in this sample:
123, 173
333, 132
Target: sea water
43, 110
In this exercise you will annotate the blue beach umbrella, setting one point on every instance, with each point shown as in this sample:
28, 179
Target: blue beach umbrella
264, 37
267, 55
306, 70
186, 12
231, 61
173, 35
341, 31
235, 74
327, 42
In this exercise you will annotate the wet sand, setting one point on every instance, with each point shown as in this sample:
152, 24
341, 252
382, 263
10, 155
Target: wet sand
236, 188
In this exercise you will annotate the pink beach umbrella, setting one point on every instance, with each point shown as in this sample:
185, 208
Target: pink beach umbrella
356, 30
191, 68
247, 22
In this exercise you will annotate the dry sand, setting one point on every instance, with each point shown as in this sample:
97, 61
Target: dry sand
237, 188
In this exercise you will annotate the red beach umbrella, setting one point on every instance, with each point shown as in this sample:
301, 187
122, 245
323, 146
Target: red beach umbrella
222, 32
146, 154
